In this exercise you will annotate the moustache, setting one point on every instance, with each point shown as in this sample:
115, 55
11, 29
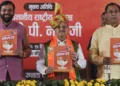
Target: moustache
62, 31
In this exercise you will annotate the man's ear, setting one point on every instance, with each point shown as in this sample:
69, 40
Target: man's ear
118, 16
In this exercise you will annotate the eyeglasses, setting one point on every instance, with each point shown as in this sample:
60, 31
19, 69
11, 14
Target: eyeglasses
62, 27
111, 11
9, 10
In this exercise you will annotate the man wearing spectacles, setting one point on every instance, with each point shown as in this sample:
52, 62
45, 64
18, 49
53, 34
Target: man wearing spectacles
99, 51
60, 24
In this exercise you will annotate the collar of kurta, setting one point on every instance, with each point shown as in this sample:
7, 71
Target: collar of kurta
109, 26
59, 42
55, 41
10, 26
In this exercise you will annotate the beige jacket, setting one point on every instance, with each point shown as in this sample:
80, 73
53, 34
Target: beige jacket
100, 48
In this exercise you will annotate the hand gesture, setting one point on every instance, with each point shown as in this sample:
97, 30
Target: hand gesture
19, 52
106, 60
49, 70
74, 56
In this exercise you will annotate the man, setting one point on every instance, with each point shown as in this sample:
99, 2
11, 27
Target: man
11, 67
103, 19
60, 24
99, 51
103, 23
93, 67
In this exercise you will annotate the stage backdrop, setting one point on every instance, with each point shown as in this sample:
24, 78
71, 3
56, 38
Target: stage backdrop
84, 17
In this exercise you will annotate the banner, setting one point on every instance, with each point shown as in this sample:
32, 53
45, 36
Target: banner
35, 15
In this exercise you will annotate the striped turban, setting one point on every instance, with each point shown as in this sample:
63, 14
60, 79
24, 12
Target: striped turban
59, 18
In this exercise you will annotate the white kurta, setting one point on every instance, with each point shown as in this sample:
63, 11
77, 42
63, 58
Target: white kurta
40, 64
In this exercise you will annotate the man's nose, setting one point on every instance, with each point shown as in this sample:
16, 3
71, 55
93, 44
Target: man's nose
7, 12
61, 28
114, 13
